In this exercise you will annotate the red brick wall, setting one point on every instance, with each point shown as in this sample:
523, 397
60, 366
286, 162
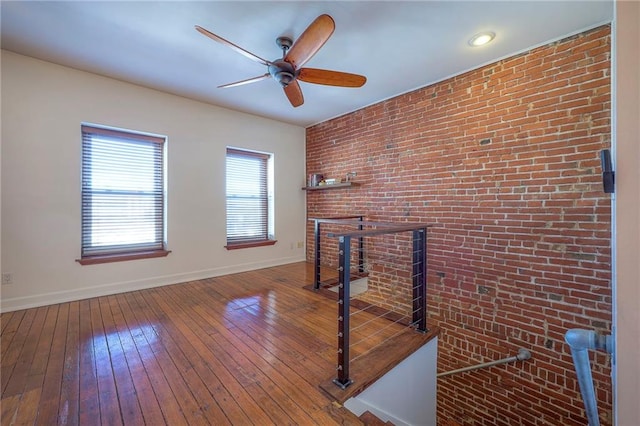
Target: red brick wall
504, 160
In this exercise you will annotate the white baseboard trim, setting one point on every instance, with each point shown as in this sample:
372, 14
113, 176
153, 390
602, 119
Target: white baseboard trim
44, 299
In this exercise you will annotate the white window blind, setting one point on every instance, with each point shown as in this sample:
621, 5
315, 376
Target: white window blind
122, 192
247, 190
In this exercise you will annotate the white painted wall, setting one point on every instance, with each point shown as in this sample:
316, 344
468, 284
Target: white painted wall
627, 213
43, 105
406, 395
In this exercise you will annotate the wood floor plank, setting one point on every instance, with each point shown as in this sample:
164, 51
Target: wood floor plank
297, 304
233, 287
10, 323
144, 393
290, 342
28, 407
68, 410
48, 410
283, 378
294, 326
107, 392
17, 380
5, 317
11, 350
246, 363
367, 333
287, 336
274, 410
126, 394
183, 356
241, 349
88, 401
171, 409
9, 409
225, 388
179, 386
233, 383
35, 378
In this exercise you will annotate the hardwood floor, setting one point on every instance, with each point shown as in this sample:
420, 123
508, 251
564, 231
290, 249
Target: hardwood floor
249, 348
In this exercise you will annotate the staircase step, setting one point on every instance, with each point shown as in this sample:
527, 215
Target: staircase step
341, 415
370, 419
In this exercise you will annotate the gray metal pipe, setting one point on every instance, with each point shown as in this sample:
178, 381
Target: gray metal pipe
522, 355
580, 341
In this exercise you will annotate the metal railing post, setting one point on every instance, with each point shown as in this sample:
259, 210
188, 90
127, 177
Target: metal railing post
420, 279
316, 265
360, 247
344, 257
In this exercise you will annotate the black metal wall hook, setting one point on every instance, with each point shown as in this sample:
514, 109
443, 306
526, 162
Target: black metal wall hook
608, 175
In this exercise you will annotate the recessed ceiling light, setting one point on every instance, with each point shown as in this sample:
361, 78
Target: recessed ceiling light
481, 39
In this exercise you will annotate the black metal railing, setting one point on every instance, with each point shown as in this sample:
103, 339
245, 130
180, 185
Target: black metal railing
317, 243
416, 265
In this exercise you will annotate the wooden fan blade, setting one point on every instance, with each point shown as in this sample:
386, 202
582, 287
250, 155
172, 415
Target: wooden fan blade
331, 78
247, 81
238, 49
310, 41
294, 94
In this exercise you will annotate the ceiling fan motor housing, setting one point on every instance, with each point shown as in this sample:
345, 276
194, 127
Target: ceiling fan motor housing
282, 71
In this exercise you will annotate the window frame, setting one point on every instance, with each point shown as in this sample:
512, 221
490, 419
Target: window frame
93, 254
267, 183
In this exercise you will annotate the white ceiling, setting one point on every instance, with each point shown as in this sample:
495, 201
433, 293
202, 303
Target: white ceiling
399, 46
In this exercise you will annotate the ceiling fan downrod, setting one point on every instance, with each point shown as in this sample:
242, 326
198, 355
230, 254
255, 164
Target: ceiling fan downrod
285, 44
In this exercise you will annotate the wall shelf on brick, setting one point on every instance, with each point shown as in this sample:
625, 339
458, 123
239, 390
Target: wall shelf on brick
331, 186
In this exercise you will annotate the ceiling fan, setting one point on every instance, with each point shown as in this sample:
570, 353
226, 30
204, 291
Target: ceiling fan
288, 70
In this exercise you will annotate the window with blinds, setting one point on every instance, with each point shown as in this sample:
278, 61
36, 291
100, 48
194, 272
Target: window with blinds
123, 195
249, 204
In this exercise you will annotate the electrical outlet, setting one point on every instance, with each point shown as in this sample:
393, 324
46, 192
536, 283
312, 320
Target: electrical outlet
7, 278
300, 244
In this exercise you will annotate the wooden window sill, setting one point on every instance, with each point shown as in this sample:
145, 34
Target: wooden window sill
249, 244
123, 257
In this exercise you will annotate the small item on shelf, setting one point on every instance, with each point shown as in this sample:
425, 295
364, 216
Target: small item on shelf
331, 181
315, 179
